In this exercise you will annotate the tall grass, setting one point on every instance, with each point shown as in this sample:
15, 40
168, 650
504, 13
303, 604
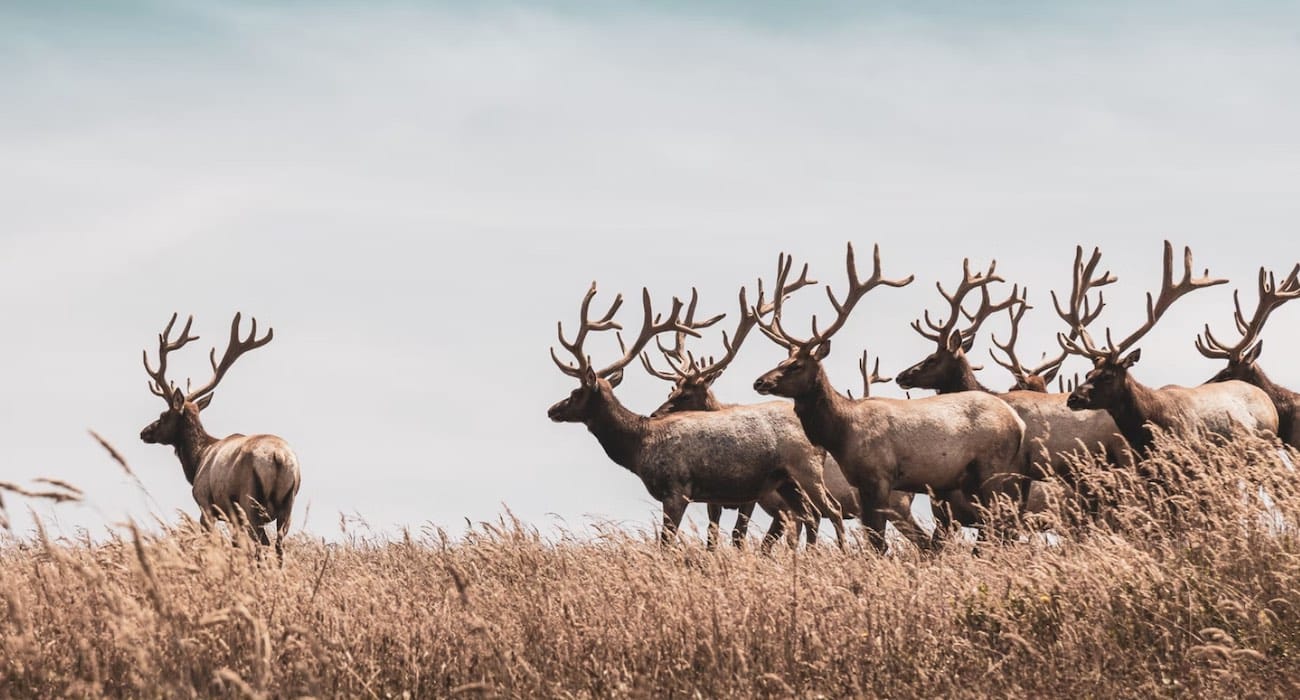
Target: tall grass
1190, 585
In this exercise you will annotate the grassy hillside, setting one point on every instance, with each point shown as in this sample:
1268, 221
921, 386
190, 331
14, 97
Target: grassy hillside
1192, 594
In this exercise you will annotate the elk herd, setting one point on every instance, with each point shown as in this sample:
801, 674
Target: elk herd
815, 453
824, 454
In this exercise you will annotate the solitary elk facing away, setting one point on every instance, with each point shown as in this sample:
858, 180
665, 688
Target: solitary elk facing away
731, 456
1243, 357
692, 391
254, 477
967, 441
1218, 408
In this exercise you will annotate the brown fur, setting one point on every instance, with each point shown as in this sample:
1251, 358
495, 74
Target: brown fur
1218, 407
254, 479
966, 441
729, 457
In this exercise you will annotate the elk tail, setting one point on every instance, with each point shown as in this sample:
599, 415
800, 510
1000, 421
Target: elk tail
285, 488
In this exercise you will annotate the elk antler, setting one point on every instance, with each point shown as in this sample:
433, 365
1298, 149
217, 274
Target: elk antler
234, 349
679, 340
159, 385
651, 326
857, 289
1271, 296
872, 377
941, 333
585, 325
1048, 368
1156, 307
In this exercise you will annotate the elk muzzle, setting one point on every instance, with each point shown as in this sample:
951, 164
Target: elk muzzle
1080, 399
150, 434
560, 412
766, 384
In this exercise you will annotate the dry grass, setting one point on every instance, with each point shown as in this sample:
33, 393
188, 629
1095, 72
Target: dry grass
1190, 595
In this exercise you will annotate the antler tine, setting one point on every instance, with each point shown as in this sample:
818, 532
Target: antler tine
969, 282
656, 372
1008, 348
1080, 313
159, 385
585, 325
1169, 293
872, 377
857, 289
1271, 296
679, 338
748, 319
651, 326
773, 329
234, 350
987, 309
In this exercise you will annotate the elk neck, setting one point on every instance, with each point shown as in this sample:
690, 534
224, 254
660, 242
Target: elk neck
619, 431
1284, 400
192, 442
1136, 405
963, 379
823, 412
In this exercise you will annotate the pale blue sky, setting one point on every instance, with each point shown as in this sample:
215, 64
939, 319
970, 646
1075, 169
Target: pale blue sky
412, 195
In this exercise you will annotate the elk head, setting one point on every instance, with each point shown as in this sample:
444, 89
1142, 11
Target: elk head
183, 408
799, 373
1107, 382
596, 387
947, 365
1242, 356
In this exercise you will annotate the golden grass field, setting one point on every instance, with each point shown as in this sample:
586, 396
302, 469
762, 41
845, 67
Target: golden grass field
1191, 595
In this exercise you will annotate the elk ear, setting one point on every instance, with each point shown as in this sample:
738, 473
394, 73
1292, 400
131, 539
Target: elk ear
615, 378
966, 343
1049, 375
589, 377
821, 351
203, 402
1131, 359
1253, 353
177, 400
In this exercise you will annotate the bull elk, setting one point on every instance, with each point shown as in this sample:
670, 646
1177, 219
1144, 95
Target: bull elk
730, 457
692, 391
966, 441
1218, 408
1243, 356
1052, 431
253, 478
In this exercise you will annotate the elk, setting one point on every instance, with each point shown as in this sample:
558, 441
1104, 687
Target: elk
1218, 408
1052, 430
692, 391
1243, 357
967, 441
253, 478
730, 457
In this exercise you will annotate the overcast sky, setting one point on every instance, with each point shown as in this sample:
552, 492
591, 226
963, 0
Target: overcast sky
413, 195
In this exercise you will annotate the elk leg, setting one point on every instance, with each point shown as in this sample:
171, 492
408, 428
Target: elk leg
797, 503
674, 509
281, 531
813, 526
873, 496
899, 511
715, 515
825, 506
775, 532
741, 529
